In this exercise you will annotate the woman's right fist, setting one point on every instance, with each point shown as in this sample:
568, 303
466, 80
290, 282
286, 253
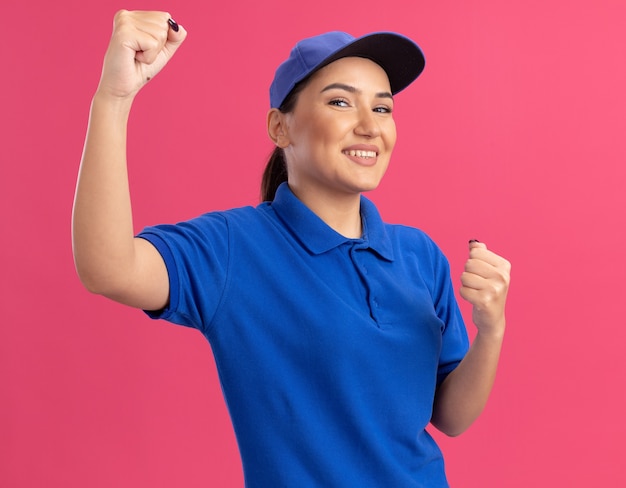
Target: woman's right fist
141, 45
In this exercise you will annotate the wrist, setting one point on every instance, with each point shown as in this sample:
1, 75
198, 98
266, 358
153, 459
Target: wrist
491, 334
104, 99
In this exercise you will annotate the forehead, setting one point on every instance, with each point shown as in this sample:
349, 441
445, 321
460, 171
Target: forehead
356, 71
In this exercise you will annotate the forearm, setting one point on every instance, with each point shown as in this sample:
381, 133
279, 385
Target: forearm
463, 394
102, 228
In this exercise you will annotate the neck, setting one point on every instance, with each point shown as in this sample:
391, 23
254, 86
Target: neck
342, 213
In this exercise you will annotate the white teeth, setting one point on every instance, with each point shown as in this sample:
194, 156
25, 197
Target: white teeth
361, 154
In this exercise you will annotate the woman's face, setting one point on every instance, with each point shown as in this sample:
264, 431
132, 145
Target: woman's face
341, 133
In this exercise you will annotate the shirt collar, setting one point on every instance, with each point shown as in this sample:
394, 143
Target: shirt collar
318, 237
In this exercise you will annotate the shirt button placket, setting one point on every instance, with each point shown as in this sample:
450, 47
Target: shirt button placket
373, 304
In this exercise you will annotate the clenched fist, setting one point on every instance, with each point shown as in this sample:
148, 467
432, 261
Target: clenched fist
141, 45
485, 283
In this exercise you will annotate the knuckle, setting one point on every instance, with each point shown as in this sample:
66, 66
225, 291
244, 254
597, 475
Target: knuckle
504, 279
121, 16
124, 22
498, 289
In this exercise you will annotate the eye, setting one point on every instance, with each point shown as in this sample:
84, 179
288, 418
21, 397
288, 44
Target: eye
338, 102
383, 109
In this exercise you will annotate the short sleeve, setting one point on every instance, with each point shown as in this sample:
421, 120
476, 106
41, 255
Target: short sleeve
196, 254
455, 342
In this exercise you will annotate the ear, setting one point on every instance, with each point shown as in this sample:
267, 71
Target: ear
277, 128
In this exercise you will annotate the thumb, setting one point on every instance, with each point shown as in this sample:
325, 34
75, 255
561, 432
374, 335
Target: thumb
175, 37
151, 62
160, 53
476, 244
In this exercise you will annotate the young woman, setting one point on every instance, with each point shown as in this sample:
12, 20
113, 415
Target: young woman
337, 337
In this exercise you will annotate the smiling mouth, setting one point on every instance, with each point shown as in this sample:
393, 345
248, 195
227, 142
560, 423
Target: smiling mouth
361, 154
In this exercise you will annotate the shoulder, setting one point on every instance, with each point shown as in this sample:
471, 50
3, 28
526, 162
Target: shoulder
207, 229
414, 247
219, 219
239, 224
410, 238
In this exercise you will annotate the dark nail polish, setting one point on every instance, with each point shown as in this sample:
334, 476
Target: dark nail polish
173, 25
473, 240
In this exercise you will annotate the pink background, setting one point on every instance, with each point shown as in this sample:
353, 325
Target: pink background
515, 135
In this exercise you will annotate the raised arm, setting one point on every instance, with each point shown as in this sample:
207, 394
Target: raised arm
463, 394
109, 259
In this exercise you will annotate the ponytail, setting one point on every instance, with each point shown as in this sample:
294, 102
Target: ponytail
276, 169
275, 173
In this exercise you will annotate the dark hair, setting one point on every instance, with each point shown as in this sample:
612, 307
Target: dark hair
274, 174
275, 171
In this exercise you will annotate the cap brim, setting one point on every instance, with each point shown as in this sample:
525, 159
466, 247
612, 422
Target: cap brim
399, 56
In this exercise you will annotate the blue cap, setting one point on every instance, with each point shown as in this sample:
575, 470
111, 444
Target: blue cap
399, 56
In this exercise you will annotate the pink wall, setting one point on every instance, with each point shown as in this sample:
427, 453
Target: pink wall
514, 135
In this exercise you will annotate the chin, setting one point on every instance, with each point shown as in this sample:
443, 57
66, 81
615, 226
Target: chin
369, 185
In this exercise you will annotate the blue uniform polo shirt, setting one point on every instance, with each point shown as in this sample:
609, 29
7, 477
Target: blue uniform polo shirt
328, 349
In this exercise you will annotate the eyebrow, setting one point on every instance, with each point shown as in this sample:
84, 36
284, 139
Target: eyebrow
352, 89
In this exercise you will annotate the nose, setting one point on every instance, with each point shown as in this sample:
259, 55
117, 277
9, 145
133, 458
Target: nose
367, 124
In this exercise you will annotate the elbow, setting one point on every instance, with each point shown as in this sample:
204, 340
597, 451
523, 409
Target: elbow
85, 269
99, 285
94, 279
450, 429
453, 432
452, 420
89, 282
95, 271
